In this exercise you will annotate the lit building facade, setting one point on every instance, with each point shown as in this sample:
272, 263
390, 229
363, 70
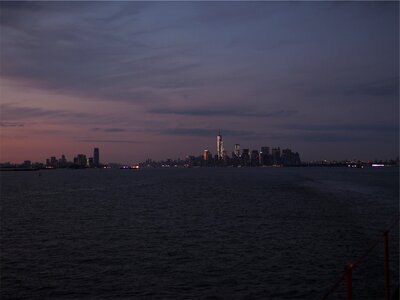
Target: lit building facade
237, 150
206, 155
220, 146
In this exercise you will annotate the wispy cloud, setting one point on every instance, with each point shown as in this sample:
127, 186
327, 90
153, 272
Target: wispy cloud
100, 141
338, 138
362, 127
121, 62
109, 129
380, 88
13, 137
11, 124
188, 131
13, 112
208, 132
358, 90
224, 112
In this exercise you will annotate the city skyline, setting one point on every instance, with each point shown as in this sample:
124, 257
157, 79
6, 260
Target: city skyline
156, 80
240, 156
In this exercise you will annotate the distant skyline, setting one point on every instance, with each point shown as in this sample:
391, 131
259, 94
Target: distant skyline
160, 79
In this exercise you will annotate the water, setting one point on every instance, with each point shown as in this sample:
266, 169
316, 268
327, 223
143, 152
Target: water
250, 233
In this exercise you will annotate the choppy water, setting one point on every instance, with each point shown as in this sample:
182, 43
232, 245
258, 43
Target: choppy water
262, 233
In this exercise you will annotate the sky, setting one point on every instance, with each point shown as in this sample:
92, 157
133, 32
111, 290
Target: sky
161, 79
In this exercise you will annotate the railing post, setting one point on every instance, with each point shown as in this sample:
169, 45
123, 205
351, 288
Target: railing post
348, 277
386, 258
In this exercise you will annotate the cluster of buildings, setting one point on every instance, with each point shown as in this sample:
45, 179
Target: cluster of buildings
239, 157
245, 157
79, 161
265, 157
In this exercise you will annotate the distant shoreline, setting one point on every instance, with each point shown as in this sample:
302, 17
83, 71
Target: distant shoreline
199, 167
20, 169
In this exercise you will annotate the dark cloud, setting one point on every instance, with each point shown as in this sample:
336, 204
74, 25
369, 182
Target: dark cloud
381, 128
304, 136
13, 137
13, 112
382, 88
115, 51
358, 90
100, 141
224, 112
188, 131
11, 124
109, 129
87, 50
208, 132
236, 12
339, 138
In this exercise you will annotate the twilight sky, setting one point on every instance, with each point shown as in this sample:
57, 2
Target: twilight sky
159, 79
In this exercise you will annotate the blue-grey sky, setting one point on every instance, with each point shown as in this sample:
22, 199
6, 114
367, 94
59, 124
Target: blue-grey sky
160, 79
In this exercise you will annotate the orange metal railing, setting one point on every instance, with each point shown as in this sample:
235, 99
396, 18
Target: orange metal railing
347, 275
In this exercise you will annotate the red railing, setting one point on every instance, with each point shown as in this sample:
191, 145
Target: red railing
347, 275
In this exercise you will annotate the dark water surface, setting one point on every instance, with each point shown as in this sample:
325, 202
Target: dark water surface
255, 233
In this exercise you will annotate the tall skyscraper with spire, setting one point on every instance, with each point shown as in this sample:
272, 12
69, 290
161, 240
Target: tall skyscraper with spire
220, 146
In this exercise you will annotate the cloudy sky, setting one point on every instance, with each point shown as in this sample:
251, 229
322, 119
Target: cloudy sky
160, 79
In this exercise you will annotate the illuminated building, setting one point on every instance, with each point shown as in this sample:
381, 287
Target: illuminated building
237, 150
96, 158
207, 158
220, 146
206, 154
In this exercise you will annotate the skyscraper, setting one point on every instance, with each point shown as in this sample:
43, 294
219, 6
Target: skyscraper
220, 146
206, 155
80, 160
237, 150
264, 156
62, 162
265, 150
255, 158
288, 158
245, 157
276, 155
96, 158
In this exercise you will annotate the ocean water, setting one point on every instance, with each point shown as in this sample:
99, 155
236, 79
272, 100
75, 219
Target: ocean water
222, 233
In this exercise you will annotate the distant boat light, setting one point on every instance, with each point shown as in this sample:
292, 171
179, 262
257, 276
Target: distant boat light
378, 165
